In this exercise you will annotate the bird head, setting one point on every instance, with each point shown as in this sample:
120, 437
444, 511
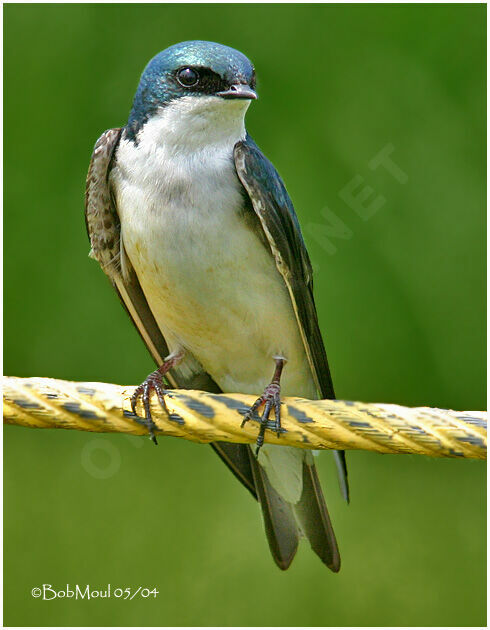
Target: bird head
195, 76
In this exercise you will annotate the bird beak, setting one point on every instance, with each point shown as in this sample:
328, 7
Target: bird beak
238, 90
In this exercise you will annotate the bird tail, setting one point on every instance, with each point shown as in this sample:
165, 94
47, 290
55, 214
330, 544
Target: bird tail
281, 527
285, 522
312, 513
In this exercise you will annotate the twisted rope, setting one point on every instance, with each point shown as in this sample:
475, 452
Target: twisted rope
204, 417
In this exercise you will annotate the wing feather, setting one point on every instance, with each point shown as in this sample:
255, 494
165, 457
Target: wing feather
271, 203
104, 230
274, 208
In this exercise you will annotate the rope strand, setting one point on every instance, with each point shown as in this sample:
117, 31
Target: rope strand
204, 417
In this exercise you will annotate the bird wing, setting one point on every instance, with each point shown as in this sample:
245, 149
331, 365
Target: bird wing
272, 205
279, 222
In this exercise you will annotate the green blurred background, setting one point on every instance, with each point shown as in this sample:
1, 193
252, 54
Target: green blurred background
400, 297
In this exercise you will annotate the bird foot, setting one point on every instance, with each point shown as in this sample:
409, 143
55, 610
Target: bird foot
154, 383
270, 399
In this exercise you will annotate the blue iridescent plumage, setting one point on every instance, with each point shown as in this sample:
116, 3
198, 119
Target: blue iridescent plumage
158, 84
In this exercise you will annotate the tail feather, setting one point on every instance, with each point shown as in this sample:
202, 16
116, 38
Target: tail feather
280, 523
312, 513
286, 520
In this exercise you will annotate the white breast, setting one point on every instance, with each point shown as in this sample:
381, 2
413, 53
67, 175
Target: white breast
211, 284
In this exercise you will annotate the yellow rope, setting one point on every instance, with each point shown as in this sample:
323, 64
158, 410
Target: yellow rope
204, 417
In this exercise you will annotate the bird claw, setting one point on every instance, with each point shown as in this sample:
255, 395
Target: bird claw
153, 383
271, 399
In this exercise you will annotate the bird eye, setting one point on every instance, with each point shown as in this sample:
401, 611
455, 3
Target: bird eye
187, 77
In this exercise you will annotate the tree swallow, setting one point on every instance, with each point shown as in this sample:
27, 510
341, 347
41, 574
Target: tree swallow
196, 231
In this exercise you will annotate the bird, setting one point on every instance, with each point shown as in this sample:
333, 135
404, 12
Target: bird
199, 237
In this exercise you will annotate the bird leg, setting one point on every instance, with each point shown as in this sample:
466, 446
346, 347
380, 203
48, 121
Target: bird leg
270, 398
154, 382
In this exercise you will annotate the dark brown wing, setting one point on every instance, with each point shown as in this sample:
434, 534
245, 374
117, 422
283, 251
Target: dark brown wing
103, 227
